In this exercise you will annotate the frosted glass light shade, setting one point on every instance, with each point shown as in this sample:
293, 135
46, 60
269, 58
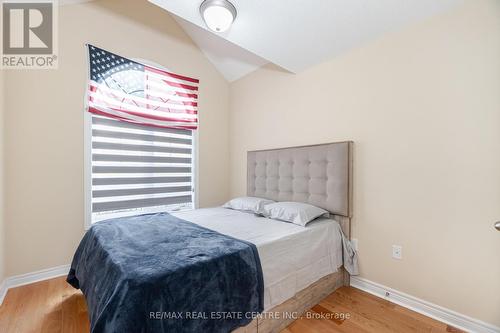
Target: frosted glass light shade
218, 14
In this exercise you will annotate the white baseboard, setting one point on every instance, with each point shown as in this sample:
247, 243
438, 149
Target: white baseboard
437, 312
28, 278
3, 291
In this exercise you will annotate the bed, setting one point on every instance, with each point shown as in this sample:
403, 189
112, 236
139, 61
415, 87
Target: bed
292, 257
317, 174
278, 267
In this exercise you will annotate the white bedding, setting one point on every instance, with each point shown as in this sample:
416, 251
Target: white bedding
292, 257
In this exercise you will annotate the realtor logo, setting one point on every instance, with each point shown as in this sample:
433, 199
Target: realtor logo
28, 34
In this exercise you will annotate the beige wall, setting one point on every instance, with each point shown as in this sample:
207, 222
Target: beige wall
44, 121
423, 107
2, 160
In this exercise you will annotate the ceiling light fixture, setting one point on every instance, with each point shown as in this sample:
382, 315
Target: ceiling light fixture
218, 14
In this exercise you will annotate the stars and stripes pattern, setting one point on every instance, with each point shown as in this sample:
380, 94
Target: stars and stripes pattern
130, 91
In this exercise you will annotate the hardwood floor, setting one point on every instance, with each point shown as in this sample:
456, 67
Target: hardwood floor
53, 306
50, 306
352, 310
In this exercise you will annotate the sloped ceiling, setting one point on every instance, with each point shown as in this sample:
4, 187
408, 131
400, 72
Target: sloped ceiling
230, 59
296, 34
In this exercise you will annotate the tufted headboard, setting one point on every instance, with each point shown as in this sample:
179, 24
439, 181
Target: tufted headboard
320, 175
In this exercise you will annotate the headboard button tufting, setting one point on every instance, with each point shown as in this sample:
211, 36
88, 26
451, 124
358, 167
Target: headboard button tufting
318, 174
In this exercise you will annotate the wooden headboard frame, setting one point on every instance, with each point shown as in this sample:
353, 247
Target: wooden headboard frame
317, 174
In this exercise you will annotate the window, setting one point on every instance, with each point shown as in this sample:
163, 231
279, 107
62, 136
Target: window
140, 138
136, 169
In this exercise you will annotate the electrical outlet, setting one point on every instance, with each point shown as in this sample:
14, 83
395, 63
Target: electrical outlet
397, 252
354, 243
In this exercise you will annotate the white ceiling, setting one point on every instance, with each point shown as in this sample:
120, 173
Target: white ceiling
296, 34
72, 2
230, 59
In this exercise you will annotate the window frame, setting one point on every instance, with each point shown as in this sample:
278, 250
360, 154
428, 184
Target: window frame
87, 152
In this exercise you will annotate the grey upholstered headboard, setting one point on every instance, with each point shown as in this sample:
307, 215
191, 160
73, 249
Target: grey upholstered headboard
318, 174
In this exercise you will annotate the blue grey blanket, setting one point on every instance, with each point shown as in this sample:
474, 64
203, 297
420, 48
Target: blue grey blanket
157, 273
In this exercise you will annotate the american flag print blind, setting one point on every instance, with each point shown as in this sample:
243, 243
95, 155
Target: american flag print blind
134, 92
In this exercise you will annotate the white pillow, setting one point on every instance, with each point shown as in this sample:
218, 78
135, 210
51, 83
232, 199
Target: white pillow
295, 212
247, 204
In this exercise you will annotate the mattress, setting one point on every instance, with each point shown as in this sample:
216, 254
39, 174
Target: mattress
292, 257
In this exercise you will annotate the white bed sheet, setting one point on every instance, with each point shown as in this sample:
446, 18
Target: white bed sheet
292, 257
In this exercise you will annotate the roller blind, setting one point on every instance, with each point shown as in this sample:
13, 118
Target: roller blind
138, 169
